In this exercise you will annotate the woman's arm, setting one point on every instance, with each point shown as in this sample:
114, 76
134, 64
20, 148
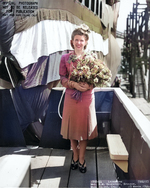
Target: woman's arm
64, 77
63, 72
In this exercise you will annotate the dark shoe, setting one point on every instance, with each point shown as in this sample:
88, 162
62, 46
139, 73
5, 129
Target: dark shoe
82, 167
74, 164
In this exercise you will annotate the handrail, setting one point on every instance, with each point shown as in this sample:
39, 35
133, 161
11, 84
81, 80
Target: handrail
89, 4
96, 4
120, 34
83, 2
99, 8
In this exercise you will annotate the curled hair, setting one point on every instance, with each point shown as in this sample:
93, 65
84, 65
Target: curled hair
81, 30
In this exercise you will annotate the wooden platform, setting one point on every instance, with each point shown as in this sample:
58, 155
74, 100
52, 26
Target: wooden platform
143, 106
51, 167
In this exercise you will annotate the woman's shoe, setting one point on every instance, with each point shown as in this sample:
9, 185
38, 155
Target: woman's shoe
82, 167
74, 164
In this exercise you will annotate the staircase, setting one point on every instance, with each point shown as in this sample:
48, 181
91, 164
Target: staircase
139, 85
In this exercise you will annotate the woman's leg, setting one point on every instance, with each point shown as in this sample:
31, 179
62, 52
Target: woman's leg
74, 145
82, 151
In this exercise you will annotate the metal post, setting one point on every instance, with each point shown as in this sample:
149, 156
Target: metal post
132, 54
135, 51
83, 2
149, 82
99, 6
95, 5
148, 61
146, 37
90, 4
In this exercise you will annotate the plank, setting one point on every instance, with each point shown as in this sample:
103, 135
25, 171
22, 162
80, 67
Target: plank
57, 170
4, 150
117, 149
137, 101
106, 170
77, 179
142, 105
39, 160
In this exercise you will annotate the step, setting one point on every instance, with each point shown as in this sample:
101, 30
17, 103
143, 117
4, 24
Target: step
15, 171
117, 151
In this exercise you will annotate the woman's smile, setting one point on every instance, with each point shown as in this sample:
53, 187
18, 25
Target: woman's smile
79, 42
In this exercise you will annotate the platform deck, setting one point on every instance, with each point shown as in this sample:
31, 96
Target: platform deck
51, 167
143, 106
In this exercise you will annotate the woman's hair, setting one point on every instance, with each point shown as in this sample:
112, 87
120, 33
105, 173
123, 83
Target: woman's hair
81, 30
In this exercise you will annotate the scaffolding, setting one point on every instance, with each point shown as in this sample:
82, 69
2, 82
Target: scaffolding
136, 51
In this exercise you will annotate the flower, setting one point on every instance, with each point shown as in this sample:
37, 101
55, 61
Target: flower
96, 80
91, 70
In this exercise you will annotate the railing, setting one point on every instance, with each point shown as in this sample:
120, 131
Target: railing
120, 35
93, 5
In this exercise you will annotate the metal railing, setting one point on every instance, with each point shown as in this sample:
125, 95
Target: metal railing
93, 5
120, 35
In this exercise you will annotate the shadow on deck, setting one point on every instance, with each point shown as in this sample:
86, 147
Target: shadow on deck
51, 167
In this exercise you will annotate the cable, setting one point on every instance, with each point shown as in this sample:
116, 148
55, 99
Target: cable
60, 102
6, 64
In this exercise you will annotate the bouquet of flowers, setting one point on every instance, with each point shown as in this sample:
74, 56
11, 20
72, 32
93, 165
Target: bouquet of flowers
91, 70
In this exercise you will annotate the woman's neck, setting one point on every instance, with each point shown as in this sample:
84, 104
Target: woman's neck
79, 53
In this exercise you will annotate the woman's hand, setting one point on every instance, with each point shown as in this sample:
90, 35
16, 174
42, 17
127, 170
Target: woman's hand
81, 86
77, 86
85, 85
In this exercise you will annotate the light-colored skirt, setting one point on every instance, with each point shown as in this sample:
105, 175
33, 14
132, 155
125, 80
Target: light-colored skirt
79, 117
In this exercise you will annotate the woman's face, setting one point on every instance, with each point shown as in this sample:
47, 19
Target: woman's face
79, 42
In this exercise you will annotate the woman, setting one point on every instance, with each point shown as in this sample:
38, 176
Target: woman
79, 118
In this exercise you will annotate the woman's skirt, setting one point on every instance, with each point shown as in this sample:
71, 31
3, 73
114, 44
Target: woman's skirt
79, 117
